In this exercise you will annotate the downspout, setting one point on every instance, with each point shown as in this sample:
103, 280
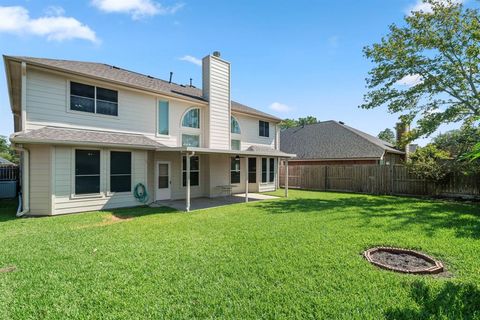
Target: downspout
24, 197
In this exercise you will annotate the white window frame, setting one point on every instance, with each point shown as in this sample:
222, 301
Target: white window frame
95, 85
108, 173
101, 194
182, 170
268, 171
157, 106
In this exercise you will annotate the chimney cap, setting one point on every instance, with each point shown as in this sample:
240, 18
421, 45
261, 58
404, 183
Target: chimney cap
216, 54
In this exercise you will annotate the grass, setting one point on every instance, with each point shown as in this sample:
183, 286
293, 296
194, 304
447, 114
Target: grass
288, 258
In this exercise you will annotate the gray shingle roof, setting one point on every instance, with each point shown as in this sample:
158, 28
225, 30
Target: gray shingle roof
5, 162
83, 136
332, 140
130, 78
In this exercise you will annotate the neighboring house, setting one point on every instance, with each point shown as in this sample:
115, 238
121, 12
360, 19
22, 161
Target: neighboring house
89, 133
334, 143
5, 162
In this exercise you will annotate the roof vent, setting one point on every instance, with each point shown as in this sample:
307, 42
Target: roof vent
171, 75
341, 122
216, 54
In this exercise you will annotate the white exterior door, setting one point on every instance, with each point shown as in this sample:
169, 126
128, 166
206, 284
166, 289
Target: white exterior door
163, 186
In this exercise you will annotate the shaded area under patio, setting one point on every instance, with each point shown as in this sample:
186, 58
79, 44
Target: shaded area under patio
205, 203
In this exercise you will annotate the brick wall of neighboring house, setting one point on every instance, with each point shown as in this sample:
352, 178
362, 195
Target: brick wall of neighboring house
331, 162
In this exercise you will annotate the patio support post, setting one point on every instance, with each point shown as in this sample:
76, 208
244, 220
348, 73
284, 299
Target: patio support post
286, 178
187, 198
246, 179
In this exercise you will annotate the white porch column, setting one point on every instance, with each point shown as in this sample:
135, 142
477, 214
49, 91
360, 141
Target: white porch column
187, 198
286, 178
246, 179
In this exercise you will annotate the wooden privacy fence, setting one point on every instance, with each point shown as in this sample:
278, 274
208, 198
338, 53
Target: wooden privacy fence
376, 179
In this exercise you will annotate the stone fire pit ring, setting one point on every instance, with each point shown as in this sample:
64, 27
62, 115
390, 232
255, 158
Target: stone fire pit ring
403, 260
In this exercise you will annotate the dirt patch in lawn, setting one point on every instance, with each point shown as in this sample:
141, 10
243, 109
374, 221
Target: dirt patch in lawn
107, 220
8, 269
403, 260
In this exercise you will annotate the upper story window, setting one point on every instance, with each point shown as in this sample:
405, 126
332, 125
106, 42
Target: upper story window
191, 119
87, 98
235, 144
235, 127
162, 117
190, 140
263, 129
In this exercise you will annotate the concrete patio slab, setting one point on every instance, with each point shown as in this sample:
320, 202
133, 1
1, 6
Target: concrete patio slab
205, 203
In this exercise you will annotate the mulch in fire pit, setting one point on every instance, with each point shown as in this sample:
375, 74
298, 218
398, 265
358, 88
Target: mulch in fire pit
403, 260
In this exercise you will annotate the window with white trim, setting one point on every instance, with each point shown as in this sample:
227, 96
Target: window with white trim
263, 128
92, 99
120, 171
235, 170
234, 125
194, 171
191, 119
268, 170
235, 144
190, 140
87, 171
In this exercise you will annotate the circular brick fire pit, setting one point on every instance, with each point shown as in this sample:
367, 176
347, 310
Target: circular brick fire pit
403, 260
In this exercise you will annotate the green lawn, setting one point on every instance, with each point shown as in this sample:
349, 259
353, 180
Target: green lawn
288, 258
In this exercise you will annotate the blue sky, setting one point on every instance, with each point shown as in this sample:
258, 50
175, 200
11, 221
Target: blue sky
289, 58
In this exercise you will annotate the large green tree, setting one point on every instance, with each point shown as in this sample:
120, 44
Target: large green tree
387, 135
6, 150
427, 69
291, 123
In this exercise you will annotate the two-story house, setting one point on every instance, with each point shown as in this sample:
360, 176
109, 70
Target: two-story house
91, 134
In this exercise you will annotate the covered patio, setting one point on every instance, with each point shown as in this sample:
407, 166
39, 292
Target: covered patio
219, 175
205, 202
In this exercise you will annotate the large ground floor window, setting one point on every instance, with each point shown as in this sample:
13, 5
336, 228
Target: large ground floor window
268, 170
120, 171
87, 171
252, 170
194, 171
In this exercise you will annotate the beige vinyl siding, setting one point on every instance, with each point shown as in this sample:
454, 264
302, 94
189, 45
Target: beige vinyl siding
40, 180
219, 171
249, 132
66, 202
48, 104
177, 189
218, 78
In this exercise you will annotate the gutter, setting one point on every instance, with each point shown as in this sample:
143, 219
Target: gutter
24, 197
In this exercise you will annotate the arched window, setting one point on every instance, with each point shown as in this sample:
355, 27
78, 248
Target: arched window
191, 119
235, 127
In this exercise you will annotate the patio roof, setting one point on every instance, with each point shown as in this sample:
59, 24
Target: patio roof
85, 137
248, 152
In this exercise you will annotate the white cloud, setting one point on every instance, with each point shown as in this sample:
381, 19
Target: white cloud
426, 7
280, 107
136, 8
54, 26
54, 11
410, 80
191, 59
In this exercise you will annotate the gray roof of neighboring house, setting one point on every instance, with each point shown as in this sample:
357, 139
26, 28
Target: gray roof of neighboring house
134, 79
5, 162
84, 137
331, 140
